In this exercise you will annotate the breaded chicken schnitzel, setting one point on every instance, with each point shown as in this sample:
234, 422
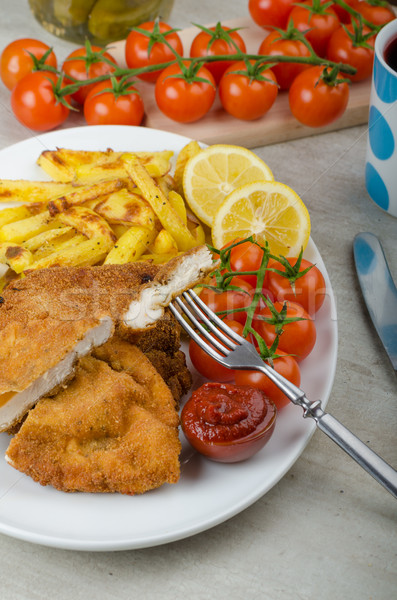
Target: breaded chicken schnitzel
108, 431
54, 316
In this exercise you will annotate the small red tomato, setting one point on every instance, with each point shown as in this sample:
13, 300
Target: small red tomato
343, 14
314, 102
244, 257
246, 97
270, 13
137, 52
297, 338
16, 62
285, 365
213, 44
206, 365
228, 423
378, 14
229, 300
277, 44
87, 63
183, 99
35, 104
317, 25
307, 290
344, 46
104, 106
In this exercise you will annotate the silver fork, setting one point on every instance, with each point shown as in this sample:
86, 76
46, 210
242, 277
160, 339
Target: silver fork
234, 352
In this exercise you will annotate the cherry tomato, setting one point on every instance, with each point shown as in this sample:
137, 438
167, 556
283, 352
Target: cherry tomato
205, 44
308, 290
298, 337
285, 72
35, 104
181, 100
16, 62
341, 48
270, 13
378, 14
137, 53
103, 106
244, 97
285, 365
246, 257
228, 423
220, 302
83, 64
318, 26
314, 102
206, 365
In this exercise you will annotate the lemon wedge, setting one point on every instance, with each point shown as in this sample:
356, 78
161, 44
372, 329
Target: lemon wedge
270, 211
215, 172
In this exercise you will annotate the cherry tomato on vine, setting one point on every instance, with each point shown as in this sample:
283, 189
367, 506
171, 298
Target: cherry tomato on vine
35, 103
104, 105
298, 337
319, 26
208, 367
285, 365
228, 299
86, 63
246, 97
314, 102
184, 99
246, 256
342, 47
308, 290
285, 72
137, 53
16, 62
378, 14
214, 41
270, 13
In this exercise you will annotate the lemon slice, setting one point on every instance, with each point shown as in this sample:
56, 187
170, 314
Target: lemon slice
215, 172
270, 211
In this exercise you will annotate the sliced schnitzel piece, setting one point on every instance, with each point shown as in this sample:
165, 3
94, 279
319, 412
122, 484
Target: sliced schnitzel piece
54, 316
108, 431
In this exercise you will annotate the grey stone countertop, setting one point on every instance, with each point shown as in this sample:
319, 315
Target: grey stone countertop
327, 530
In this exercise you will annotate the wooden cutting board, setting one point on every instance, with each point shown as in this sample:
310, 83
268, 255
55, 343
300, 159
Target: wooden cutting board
278, 125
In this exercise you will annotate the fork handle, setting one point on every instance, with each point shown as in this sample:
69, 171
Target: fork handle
364, 456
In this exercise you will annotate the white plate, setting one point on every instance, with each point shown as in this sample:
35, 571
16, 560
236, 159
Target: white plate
208, 493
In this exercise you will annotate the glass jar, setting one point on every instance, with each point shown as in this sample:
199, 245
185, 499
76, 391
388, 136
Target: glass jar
100, 21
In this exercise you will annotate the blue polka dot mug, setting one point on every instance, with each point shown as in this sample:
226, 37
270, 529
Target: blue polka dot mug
381, 161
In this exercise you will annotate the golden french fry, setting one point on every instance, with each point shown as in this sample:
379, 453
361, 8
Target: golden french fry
61, 164
178, 204
84, 194
65, 165
87, 222
64, 241
16, 213
125, 208
32, 192
188, 151
164, 243
45, 237
7, 276
130, 245
167, 216
15, 256
20, 231
87, 252
199, 234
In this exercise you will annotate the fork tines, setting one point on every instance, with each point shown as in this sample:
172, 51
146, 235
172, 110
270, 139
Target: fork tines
205, 321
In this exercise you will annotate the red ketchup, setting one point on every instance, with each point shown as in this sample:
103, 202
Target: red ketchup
228, 423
